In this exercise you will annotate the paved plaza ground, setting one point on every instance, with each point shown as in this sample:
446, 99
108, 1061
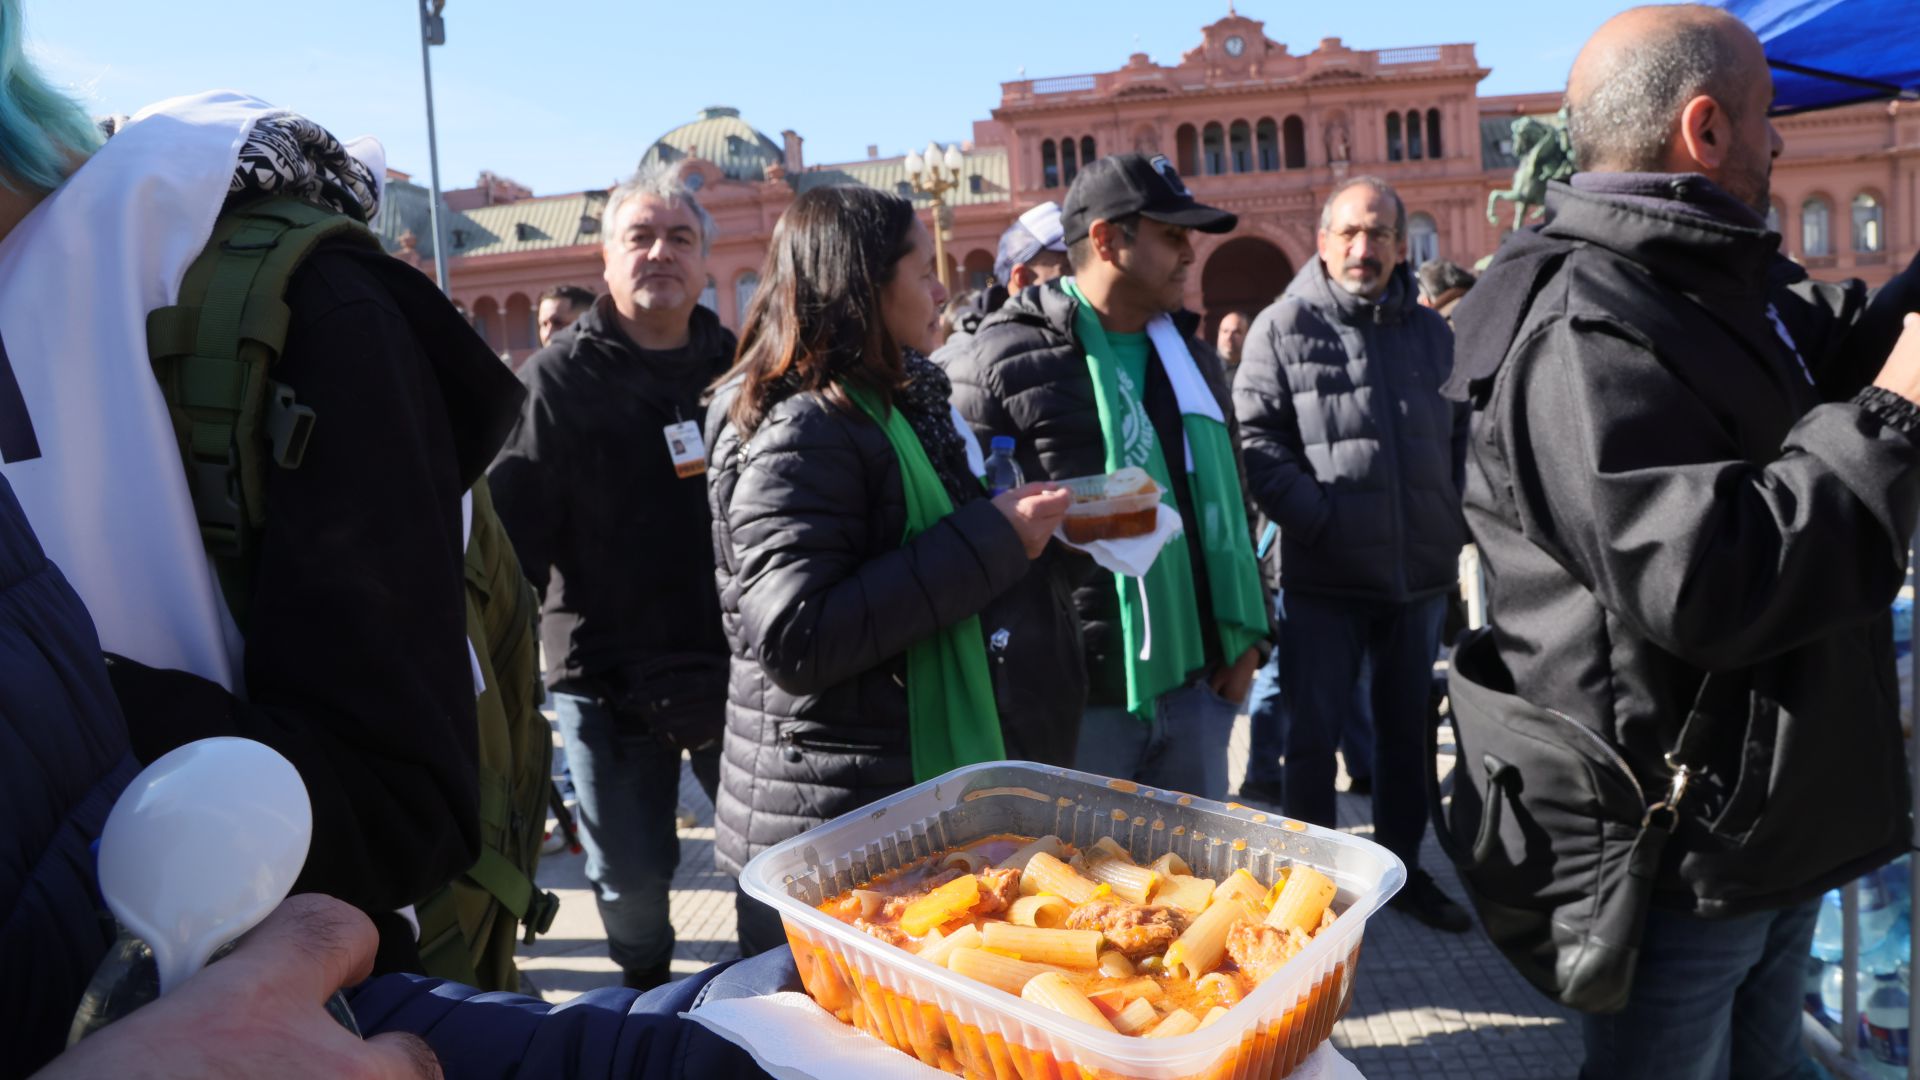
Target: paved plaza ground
1427, 1004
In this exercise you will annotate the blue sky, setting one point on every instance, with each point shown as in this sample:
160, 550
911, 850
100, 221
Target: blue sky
567, 94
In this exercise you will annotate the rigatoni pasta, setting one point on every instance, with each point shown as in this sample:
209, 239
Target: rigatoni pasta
1128, 881
1040, 909
1050, 875
1144, 950
1066, 948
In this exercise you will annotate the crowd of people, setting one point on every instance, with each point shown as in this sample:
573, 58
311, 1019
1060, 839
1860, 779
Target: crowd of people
1690, 470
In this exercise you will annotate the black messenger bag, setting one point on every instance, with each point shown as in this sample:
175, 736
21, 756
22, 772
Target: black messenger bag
1556, 841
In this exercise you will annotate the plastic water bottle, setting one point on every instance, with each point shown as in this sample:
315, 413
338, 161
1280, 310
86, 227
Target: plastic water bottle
1883, 1027
1829, 928
1878, 911
1003, 473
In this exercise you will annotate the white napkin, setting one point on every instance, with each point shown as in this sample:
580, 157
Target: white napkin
1133, 556
794, 1039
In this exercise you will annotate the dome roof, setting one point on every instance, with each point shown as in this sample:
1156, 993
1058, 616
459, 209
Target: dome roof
719, 136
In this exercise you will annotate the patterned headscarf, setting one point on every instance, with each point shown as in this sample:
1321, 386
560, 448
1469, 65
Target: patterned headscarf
288, 154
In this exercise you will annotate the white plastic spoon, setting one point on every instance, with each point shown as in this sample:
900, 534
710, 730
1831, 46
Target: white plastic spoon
202, 845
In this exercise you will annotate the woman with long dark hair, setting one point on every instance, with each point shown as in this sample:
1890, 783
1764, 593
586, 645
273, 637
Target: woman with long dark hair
878, 604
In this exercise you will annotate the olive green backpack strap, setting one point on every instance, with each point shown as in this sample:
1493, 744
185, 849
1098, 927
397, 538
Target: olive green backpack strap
213, 352
469, 928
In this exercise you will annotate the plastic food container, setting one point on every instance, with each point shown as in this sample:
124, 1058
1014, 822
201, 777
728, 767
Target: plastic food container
971, 1029
1101, 518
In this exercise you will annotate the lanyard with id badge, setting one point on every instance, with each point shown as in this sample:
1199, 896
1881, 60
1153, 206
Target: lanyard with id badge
687, 449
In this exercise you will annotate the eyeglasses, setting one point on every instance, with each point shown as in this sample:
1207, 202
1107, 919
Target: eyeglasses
1376, 237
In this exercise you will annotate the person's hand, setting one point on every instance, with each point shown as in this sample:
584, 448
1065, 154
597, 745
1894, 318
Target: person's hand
1233, 681
1901, 372
1034, 510
260, 1012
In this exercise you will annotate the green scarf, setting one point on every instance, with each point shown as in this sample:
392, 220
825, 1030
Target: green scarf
952, 720
1168, 620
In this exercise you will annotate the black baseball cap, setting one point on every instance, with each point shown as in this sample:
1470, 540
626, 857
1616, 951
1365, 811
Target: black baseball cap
1122, 184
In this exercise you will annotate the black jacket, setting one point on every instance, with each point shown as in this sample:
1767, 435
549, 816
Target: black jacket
1349, 445
619, 543
1658, 492
356, 658
821, 601
1023, 374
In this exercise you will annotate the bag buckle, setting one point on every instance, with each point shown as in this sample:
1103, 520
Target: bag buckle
542, 906
1676, 790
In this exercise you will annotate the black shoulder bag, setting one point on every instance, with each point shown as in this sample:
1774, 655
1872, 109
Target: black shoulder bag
1555, 839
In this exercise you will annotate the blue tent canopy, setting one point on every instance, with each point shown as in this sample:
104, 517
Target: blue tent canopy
1836, 52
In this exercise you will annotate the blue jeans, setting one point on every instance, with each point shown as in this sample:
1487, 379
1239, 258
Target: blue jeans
1712, 999
1327, 647
628, 783
1267, 726
1182, 747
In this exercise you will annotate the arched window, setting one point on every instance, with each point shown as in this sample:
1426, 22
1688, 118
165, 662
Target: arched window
486, 320
1414, 142
710, 297
1423, 239
1086, 150
1213, 147
1186, 150
1816, 228
1049, 165
743, 289
1266, 137
1294, 133
1069, 161
1869, 224
1433, 133
518, 317
1394, 151
1240, 139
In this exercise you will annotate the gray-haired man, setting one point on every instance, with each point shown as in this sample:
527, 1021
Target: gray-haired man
602, 489
1353, 452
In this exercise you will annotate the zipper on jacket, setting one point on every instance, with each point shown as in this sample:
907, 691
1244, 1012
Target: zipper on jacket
829, 745
1606, 748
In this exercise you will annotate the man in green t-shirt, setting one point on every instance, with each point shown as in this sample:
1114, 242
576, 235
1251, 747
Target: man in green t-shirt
1103, 371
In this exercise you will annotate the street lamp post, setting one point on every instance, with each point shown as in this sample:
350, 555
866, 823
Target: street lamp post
933, 174
433, 31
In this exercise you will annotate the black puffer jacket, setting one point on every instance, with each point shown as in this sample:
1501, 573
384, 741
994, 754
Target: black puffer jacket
1350, 448
820, 601
1658, 492
1024, 375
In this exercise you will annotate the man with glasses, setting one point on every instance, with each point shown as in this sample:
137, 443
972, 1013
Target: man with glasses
1352, 450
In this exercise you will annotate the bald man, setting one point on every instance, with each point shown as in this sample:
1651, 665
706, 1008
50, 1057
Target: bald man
1692, 480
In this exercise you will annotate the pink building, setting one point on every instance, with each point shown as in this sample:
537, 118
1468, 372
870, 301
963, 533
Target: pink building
1253, 127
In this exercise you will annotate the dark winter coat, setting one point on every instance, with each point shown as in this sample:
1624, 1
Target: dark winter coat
618, 543
1661, 489
67, 758
1349, 445
1023, 374
821, 600
64, 758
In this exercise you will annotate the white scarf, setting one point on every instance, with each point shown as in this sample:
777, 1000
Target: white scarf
107, 493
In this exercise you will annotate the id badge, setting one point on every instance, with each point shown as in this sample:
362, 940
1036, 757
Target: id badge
688, 451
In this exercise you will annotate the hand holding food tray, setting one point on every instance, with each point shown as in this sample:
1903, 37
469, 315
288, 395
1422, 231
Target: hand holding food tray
1012, 919
1119, 519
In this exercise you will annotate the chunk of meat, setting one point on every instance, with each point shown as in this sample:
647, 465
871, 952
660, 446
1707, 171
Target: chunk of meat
1138, 930
1259, 948
998, 890
886, 932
